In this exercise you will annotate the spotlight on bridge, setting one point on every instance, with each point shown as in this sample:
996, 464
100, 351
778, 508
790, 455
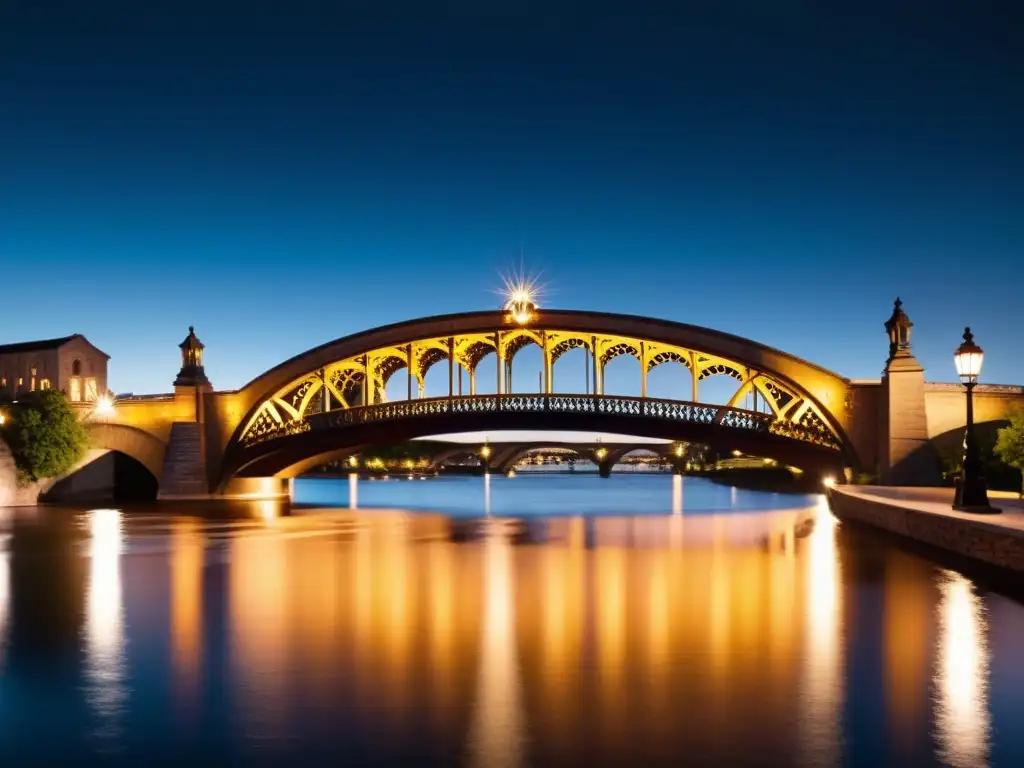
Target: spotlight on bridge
104, 406
521, 300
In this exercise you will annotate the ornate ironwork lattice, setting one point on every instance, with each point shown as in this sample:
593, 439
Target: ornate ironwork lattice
291, 408
713, 370
518, 342
780, 397
426, 358
615, 350
563, 346
667, 357
472, 353
387, 366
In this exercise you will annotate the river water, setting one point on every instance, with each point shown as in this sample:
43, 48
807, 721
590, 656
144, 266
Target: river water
534, 621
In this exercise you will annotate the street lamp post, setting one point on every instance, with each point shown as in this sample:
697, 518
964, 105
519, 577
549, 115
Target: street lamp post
971, 495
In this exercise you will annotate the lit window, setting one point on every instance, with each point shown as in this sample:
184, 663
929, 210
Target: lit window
32, 384
21, 382
44, 383
90, 390
3, 382
76, 389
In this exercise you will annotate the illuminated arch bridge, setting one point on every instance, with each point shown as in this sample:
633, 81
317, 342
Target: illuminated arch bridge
331, 401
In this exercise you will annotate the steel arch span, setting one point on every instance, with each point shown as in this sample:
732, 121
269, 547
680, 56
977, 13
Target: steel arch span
331, 400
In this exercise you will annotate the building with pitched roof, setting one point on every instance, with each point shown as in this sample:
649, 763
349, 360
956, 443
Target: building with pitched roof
71, 364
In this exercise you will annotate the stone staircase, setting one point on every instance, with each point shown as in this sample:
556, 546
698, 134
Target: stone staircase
184, 469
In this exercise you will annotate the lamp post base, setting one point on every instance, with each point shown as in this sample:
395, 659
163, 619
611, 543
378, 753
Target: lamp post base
977, 509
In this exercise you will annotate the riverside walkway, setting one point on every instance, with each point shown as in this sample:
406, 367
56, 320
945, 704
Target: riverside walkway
926, 515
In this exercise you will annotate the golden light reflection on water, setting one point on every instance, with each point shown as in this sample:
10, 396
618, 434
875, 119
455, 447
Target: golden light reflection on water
577, 636
962, 718
496, 732
822, 695
5, 595
104, 626
703, 619
186, 562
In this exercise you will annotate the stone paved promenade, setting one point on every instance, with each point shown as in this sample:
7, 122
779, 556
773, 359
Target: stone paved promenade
926, 515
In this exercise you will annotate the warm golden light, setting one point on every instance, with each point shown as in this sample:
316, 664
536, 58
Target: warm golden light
3, 419
486, 451
962, 718
5, 596
823, 690
521, 295
105, 663
679, 451
601, 453
828, 481
353, 461
737, 453
104, 405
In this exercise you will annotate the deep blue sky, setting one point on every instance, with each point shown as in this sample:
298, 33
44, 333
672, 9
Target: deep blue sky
282, 177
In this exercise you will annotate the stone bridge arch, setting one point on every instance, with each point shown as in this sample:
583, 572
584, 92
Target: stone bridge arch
135, 443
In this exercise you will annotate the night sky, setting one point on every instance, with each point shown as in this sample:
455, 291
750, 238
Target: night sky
281, 174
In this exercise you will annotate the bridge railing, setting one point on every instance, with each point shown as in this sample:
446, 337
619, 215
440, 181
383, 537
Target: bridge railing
670, 410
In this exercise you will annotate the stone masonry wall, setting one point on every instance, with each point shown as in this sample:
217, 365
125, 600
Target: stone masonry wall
971, 538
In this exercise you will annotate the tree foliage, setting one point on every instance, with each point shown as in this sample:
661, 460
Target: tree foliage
44, 434
1010, 444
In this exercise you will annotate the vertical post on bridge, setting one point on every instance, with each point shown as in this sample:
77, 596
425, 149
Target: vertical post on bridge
694, 376
586, 372
643, 378
643, 371
593, 351
546, 354
408, 370
451, 367
366, 379
497, 359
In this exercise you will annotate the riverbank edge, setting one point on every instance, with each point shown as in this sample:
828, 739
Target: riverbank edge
976, 539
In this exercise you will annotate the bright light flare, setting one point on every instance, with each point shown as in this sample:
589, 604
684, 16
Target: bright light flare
521, 294
104, 405
828, 481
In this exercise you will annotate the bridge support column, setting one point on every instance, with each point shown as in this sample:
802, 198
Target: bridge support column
604, 469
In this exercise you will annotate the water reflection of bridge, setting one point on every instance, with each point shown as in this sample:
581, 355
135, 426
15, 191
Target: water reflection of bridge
620, 628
